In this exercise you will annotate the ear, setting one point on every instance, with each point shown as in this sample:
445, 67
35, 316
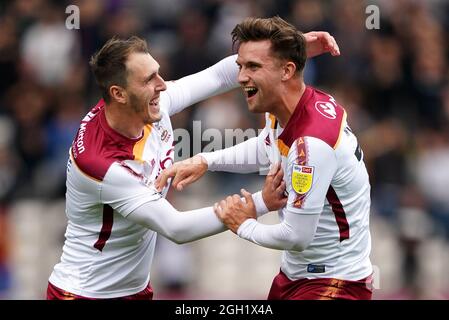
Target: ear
288, 71
118, 94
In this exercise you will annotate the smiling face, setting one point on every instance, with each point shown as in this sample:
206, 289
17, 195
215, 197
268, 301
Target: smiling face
144, 85
260, 75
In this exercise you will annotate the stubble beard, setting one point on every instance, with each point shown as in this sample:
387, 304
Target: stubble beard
140, 107
135, 103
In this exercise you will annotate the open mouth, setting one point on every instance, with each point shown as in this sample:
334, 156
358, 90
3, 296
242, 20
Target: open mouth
250, 91
154, 102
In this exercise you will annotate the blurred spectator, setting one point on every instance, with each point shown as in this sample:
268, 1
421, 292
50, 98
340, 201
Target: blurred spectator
59, 132
384, 145
28, 104
432, 175
48, 47
228, 15
8, 53
5, 272
192, 33
414, 229
9, 162
9, 168
91, 37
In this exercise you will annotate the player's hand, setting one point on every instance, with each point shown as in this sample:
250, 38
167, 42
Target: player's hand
233, 211
319, 42
184, 173
273, 192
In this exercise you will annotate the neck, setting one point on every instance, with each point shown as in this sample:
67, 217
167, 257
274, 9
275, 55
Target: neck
123, 122
289, 98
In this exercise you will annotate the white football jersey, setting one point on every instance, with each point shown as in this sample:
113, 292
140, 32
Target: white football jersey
325, 174
109, 176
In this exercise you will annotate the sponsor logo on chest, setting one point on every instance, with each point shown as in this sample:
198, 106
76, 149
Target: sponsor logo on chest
165, 135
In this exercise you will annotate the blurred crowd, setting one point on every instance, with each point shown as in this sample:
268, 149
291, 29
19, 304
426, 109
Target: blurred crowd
393, 82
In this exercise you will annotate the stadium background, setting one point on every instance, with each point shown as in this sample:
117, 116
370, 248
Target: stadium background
393, 83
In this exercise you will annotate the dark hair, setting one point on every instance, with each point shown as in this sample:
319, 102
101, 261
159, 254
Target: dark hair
287, 43
108, 64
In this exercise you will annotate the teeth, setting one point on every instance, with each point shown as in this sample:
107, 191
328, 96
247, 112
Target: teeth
154, 102
248, 89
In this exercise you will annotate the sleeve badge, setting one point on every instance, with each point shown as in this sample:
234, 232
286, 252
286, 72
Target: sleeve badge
302, 177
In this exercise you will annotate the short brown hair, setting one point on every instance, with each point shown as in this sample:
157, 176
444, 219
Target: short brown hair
109, 63
287, 43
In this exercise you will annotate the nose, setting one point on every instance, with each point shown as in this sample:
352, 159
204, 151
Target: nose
161, 86
242, 77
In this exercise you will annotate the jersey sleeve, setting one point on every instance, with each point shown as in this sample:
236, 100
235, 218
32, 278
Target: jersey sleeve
124, 190
311, 165
179, 227
245, 157
295, 232
219, 78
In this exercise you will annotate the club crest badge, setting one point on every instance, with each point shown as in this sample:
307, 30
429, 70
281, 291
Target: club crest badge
302, 177
164, 135
326, 109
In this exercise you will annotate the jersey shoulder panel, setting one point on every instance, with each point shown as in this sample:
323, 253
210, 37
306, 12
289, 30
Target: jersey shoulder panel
317, 115
96, 145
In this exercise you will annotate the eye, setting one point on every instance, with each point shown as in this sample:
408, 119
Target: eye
151, 77
253, 66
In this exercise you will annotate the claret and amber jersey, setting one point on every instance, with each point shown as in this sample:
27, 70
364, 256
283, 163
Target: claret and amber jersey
324, 229
325, 175
109, 176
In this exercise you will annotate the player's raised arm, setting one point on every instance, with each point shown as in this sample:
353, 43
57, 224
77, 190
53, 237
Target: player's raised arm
319, 42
